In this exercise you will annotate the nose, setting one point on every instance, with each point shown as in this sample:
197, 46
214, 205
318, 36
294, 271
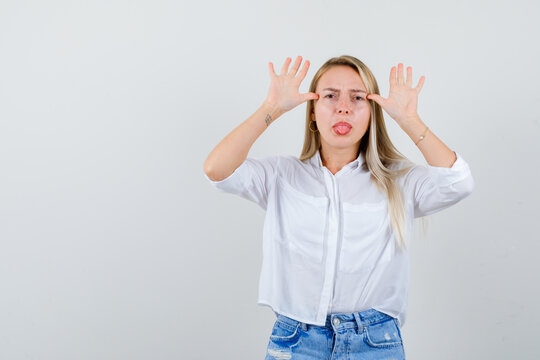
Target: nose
343, 107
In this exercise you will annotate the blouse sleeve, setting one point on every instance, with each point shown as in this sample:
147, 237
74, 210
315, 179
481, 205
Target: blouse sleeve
251, 180
437, 188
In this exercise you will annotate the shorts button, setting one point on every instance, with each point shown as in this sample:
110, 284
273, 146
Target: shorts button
336, 321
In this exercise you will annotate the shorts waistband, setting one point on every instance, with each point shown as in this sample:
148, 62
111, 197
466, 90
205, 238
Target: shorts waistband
337, 321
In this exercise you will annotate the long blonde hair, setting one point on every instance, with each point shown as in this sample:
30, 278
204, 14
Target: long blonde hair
379, 152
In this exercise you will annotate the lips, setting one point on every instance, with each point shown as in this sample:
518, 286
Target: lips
342, 123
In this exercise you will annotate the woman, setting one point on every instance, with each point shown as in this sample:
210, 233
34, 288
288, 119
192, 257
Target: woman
335, 258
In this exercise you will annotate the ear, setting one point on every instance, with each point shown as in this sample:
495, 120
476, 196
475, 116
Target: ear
312, 115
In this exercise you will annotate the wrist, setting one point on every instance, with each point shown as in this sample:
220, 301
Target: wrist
409, 121
415, 128
272, 110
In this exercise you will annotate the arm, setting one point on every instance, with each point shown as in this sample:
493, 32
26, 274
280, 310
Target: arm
434, 150
282, 96
234, 148
401, 105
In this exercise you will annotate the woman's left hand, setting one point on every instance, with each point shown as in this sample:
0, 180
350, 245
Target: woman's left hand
402, 101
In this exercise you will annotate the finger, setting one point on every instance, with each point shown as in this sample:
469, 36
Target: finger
400, 74
271, 70
303, 72
420, 83
295, 66
393, 76
409, 76
377, 98
309, 96
285, 66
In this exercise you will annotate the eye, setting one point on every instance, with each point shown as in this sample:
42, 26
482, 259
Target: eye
359, 98
329, 95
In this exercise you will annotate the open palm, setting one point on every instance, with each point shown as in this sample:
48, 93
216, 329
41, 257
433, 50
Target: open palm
283, 93
402, 100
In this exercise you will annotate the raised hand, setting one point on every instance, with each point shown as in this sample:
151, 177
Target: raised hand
283, 93
402, 101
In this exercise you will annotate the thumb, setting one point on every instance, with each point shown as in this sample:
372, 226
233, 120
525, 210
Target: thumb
310, 96
377, 98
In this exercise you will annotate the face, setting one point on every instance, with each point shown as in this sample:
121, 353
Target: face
340, 101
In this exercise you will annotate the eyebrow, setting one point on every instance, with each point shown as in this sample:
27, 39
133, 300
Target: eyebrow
351, 90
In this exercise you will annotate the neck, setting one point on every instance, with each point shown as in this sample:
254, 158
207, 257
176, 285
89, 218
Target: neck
335, 159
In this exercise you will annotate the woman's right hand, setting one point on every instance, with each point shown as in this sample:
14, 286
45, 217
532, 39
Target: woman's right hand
283, 93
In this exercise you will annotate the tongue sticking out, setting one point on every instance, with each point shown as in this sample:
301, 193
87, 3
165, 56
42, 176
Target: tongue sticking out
342, 129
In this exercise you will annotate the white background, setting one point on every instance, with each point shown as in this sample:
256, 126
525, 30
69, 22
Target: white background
114, 246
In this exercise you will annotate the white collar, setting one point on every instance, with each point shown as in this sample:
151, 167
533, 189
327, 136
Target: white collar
317, 161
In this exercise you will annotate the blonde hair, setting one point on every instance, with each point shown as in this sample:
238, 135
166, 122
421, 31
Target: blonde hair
380, 154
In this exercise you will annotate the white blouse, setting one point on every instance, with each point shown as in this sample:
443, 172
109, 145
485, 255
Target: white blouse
328, 246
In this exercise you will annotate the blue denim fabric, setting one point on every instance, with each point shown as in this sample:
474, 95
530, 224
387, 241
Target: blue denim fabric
365, 335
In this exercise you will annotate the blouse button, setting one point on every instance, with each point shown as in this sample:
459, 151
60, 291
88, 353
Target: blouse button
336, 321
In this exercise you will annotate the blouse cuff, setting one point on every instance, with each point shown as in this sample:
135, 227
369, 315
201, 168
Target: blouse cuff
444, 176
233, 180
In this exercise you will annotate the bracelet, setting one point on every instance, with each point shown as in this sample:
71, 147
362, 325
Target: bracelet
422, 136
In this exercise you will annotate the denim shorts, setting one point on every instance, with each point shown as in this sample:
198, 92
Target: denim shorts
365, 335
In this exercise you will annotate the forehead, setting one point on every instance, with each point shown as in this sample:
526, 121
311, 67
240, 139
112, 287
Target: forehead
341, 77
